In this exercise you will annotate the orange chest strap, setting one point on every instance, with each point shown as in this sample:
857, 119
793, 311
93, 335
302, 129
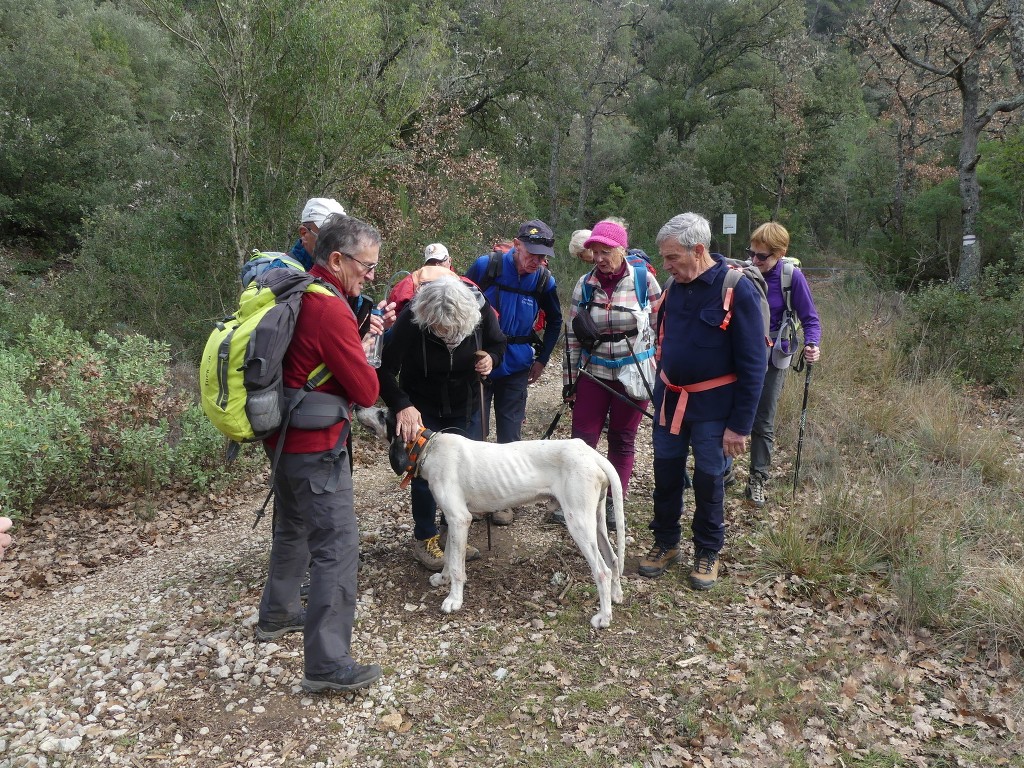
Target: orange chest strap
684, 391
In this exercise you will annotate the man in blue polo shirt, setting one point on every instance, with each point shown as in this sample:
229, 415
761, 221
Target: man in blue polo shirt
518, 285
712, 360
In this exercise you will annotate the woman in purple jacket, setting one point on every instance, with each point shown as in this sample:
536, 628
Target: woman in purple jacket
768, 245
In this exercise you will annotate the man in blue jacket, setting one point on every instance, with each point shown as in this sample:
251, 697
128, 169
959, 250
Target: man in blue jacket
518, 285
712, 359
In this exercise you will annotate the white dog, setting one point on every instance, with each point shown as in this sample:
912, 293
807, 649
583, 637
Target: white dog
469, 476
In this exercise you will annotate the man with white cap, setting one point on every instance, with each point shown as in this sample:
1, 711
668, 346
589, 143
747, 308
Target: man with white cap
316, 210
437, 262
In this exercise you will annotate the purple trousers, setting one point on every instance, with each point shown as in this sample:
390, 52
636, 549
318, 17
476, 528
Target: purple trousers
593, 405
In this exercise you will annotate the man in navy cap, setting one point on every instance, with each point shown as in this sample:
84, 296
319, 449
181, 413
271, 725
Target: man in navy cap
519, 285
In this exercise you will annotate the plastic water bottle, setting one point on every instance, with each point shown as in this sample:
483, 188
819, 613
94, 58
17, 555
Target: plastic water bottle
373, 354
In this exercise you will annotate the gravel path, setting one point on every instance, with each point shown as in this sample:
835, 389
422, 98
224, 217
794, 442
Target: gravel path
152, 661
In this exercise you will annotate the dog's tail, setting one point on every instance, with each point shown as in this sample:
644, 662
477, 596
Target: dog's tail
615, 489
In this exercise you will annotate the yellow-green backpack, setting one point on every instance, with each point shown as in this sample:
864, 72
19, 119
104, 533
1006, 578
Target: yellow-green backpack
240, 380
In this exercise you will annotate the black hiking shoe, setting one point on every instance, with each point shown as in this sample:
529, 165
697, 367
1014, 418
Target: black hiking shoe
269, 630
348, 678
609, 512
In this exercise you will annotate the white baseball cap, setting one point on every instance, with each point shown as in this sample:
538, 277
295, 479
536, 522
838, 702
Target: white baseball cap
319, 208
435, 252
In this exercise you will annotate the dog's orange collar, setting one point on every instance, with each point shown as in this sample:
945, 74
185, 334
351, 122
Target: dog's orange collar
415, 450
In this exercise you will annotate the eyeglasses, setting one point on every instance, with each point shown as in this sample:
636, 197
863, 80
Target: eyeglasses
368, 267
310, 230
752, 254
538, 240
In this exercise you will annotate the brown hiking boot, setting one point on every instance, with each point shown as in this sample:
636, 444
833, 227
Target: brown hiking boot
658, 560
503, 517
430, 555
705, 570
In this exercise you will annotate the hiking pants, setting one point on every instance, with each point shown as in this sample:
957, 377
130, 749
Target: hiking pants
424, 508
704, 438
593, 405
762, 437
316, 526
509, 396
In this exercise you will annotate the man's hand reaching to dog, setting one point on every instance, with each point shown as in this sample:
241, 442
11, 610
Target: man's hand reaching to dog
409, 422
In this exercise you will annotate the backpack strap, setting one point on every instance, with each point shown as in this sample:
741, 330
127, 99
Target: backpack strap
787, 284
493, 268
639, 288
732, 279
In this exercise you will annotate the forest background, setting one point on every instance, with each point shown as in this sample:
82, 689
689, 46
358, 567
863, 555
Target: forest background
146, 146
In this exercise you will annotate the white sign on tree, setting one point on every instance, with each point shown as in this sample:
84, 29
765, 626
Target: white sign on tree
729, 224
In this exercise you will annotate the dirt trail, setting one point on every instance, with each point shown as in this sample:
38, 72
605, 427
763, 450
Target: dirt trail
147, 657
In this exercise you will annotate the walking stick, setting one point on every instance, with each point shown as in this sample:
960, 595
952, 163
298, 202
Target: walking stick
803, 424
624, 398
572, 386
484, 429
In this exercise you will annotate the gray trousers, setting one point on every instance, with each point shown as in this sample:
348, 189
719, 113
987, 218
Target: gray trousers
762, 437
315, 527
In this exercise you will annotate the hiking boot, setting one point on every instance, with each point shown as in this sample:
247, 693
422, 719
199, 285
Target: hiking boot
555, 517
754, 492
503, 517
269, 630
431, 556
609, 512
428, 553
705, 569
348, 678
472, 553
730, 476
658, 560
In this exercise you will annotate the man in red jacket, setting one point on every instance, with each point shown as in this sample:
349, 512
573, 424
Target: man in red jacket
316, 522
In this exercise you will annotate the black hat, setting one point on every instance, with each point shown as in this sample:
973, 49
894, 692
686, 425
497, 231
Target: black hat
537, 237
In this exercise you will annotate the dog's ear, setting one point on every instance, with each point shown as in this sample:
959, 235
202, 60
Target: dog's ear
398, 456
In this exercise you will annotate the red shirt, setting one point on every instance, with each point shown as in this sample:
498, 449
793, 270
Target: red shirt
326, 332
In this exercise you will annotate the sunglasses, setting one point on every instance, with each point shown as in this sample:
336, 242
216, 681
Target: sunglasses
368, 267
538, 240
752, 254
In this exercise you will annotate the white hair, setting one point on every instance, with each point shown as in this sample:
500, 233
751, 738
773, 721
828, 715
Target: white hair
447, 308
687, 229
579, 237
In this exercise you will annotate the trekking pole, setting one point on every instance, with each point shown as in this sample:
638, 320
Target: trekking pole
803, 424
624, 398
572, 386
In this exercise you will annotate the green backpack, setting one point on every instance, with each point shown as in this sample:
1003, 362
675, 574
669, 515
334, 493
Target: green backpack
240, 381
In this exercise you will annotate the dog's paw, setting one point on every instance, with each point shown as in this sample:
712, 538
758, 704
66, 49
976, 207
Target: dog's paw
438, 579
601, 621
616, 593
451, 604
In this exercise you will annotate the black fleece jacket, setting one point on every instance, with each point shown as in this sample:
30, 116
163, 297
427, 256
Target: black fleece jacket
417, 368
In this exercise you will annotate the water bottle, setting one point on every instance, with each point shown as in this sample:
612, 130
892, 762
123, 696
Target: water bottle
373, 354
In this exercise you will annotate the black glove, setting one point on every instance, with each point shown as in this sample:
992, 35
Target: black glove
568, 391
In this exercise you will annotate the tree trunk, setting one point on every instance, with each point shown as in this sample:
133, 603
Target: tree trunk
556, 146
588, 160
969, 271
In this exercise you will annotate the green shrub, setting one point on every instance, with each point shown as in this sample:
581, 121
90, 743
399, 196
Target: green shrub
79, 418
979, 336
